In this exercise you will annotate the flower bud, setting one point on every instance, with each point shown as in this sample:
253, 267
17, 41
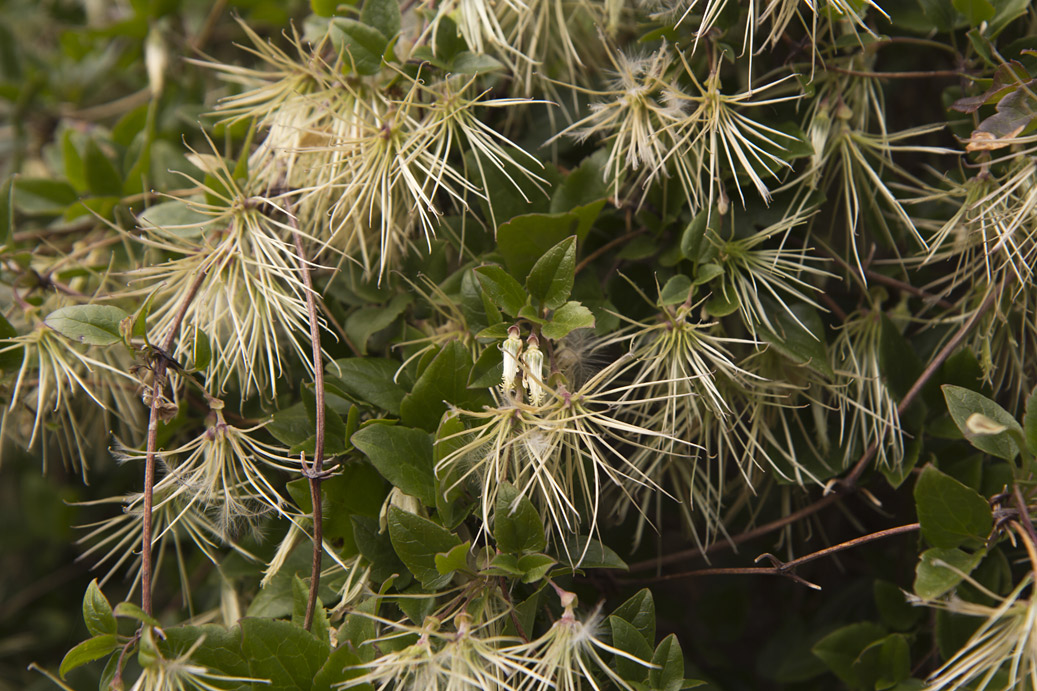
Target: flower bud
512, 348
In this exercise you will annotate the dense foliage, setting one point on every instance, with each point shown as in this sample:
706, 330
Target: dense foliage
484, 344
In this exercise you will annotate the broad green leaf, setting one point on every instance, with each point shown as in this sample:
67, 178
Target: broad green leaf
101, 175
6, 210
897, 359
488, 370
362, 45
951, 514
941, 569
89, 650
454, 560
281, 652
91, 324
894, 610
97, 611
705, 273
403, 456
364, 323
129, 610
963, 403
368, 379
803, 346
695, 242
1029, 422
583, 186
588, 553
340, 666
220, 650
202, 354
291, 426
628, 639
417, 541
505, 292
566, 319
323, 8
550, 281
721, 305
639, 610
42, 196
377, 548
535, 566
517, 527
175, 216
841, 648
676, 290
884, 663
444, 382
9, 359
523, 239
975, 11
356, 488
300, 600
504, 565
668, 671
467, 62
383, 15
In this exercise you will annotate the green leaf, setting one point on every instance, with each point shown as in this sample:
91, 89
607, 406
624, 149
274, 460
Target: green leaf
341, 665
628, 639
6, 210
202, 354
951, 514
101, 175
488, 370
175, 216
221, 649
417, 541
364, 323
668, 671
504, 565
676, 290
894, 609
1029, 421
9, 359
42, 196
369, 379
803, 346
963, 403
588, 553
898, 362
89, 650
363, 45
383, 15
377, 548
291, 426
505, 292
444, 382
885, 663
535, 566
91, 324
323, 8
97, 611
976, 11
583, 186
721, 305
639, 610
468, 62
566, 319
281, 652
525, 238
129, 610
403, 456
550, 281
933, 578
695, 240
300, 601
517, 527
841, 648
454, 560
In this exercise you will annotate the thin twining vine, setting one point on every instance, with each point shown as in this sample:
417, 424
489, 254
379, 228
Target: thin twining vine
315, 472
159, 362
